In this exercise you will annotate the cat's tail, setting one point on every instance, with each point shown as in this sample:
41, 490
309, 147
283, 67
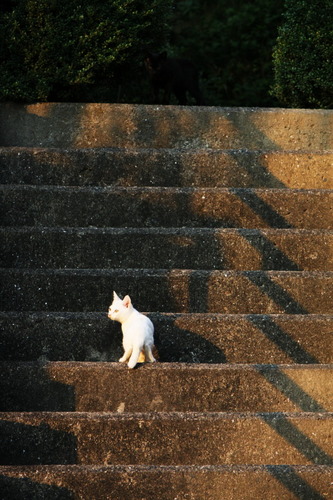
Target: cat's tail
147, 354
142, 357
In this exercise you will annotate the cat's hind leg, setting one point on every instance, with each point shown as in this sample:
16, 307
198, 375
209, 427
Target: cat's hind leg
149, 354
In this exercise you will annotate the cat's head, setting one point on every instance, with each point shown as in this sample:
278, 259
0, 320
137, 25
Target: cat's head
120, 309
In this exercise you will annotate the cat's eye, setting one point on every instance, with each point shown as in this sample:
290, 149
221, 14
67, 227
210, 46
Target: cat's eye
116, 310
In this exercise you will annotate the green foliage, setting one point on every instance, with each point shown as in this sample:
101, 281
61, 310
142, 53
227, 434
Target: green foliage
231, 42
76, 49
303, 56
92, 50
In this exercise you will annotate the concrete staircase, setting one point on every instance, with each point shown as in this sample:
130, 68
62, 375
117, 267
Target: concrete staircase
218, 223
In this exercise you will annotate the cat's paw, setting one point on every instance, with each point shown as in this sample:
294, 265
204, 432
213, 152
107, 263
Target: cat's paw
122, 359
131, 364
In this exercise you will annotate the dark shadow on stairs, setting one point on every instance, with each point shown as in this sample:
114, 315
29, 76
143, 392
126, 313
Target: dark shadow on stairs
35, 444
308, 448
14, 488
261, 176
272, 258
280, 296
286, 475
275, 376
176, 344
281, 338
28, 388
260, 207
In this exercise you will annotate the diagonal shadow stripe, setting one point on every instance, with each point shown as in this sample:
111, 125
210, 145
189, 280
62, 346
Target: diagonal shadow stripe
289, 388
256, 168
260, 207
293, 482
282, 339
272, 257
296, 438
275, 292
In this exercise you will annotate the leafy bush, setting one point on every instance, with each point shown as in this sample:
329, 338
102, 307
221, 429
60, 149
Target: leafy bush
86, 50
76, 49
303, 56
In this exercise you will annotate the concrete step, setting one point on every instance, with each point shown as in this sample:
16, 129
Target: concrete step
307, 482
166, 438
228, 292
95, 125
165, 387
195, 248
191, 338
168, 207
239, 168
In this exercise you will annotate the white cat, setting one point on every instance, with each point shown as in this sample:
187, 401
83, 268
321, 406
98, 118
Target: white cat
138, 331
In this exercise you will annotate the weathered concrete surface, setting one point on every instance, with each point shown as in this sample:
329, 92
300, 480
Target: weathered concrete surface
191, 338
166, 207
161, 248
228, 292
166, 438
165, 387
87, 413
122, 125
241, 168
165, 482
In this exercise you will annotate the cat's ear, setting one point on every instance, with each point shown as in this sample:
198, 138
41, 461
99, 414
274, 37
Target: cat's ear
127, 301
115, 296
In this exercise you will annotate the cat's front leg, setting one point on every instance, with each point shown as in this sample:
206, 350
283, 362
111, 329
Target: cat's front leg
126, 356
134, 357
